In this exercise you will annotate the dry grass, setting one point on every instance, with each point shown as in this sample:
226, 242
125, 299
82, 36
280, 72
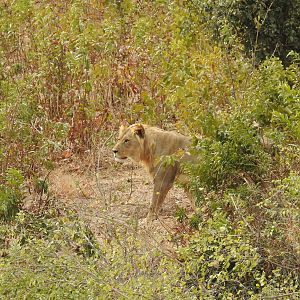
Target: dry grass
115, 197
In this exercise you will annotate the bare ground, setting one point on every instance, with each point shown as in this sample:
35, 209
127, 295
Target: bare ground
109, 196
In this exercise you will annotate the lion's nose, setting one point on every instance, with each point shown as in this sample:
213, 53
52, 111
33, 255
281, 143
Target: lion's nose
115, 151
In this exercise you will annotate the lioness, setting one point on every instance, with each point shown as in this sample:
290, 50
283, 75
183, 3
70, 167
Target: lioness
147, 145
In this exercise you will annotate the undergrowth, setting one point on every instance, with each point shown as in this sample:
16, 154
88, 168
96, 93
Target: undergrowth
60, 258
64, 85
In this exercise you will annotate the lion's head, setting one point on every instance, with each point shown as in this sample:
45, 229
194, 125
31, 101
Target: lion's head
130, 143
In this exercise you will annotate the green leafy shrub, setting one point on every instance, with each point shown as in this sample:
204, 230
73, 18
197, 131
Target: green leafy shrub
279, 225
236, 152
220, 262
275, 95
11, 194
248, 168
266, 28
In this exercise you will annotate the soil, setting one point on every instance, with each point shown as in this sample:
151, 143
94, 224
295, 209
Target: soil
109, 195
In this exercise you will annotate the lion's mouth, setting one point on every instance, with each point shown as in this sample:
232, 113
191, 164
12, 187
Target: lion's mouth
120, 159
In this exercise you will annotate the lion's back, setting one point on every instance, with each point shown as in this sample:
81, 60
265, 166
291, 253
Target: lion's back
166, 142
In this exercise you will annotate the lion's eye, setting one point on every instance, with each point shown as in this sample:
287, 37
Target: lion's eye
126, 141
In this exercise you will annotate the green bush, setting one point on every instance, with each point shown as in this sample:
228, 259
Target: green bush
11, 194
250, 140
60, 258
235, 152
248, 168
220, 262
266, 28
280, 218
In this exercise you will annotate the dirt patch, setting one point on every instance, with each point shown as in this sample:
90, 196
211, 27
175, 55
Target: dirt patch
108, 195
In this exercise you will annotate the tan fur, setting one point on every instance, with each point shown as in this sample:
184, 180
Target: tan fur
147, 145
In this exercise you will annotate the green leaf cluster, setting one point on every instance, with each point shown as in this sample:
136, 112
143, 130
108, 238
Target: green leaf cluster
11, 194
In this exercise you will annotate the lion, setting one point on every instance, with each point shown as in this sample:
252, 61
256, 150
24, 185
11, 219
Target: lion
148, 146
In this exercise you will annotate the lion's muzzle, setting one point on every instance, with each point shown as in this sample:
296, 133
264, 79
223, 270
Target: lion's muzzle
117, 157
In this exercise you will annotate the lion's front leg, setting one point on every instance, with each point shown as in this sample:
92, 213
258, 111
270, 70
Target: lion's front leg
158, 198
163, 181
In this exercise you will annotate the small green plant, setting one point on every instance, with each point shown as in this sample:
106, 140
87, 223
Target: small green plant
11, 194
180, 214
195, 220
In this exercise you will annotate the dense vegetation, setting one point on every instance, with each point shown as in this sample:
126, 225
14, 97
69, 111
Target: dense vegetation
70, 69
266, 28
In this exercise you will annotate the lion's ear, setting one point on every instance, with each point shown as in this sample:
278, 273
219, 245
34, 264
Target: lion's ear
139, 130
122, 130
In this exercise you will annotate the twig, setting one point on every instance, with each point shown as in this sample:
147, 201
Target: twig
245, 221
101, 148
164, 225
231, 76
131, 183
42, 191
257, 32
